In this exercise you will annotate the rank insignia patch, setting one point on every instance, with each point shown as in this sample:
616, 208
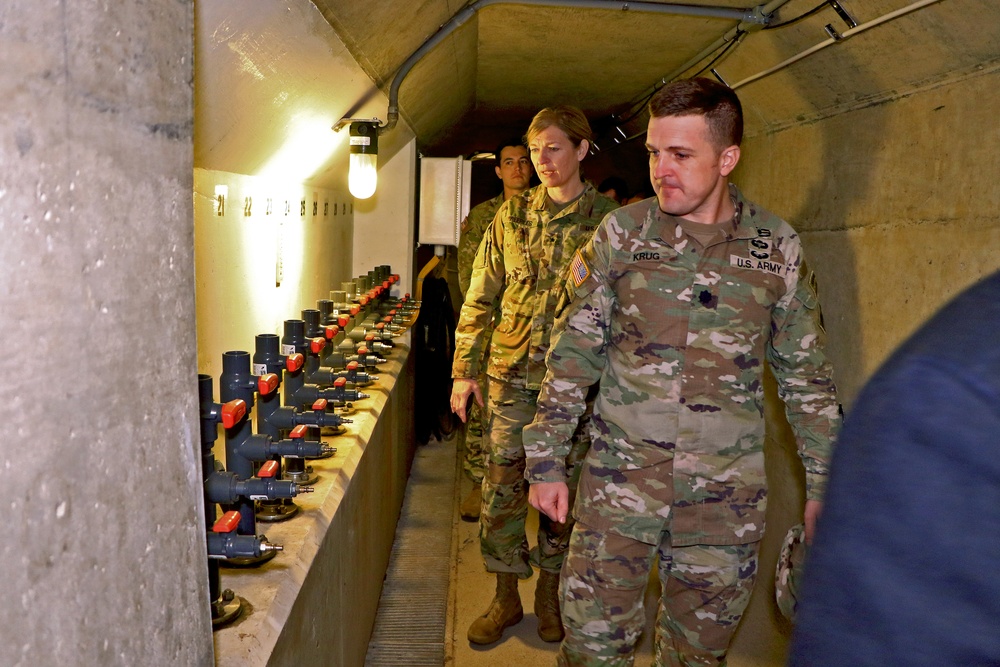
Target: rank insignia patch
579, 269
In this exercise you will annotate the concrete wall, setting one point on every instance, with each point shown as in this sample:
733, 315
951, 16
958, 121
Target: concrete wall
103, 554
272, 253
896, 205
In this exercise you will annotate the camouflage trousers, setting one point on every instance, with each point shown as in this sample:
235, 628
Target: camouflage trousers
502, 536
703, 593
474, 462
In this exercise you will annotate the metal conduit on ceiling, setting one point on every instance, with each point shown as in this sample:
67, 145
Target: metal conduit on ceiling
758, 16
802, 55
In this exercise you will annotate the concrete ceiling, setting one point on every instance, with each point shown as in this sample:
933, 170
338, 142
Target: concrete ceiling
488, 77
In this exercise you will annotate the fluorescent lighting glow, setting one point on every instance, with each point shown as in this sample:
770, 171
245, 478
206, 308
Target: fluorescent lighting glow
307, 145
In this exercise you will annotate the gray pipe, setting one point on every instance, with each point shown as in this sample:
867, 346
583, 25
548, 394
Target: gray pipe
763, 12
746, 17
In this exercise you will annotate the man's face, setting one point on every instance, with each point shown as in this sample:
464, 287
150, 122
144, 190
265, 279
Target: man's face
515, 168
688, 172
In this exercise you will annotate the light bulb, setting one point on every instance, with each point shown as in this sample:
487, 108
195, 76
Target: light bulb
362, 176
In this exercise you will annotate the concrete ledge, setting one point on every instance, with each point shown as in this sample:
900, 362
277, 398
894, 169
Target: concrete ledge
315, 602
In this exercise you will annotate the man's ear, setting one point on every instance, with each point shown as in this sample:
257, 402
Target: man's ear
728, 159
497, 170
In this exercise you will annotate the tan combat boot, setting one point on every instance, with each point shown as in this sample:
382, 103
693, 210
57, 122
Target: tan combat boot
469, 509
547, 607
505, 610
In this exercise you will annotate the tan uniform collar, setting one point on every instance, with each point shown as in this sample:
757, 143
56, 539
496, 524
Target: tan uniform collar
539, 200
665, 227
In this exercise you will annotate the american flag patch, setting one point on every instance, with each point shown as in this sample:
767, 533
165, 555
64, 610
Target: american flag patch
579, 270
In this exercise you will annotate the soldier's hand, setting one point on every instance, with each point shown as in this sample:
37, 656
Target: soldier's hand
811, 515
551, 499
460, 390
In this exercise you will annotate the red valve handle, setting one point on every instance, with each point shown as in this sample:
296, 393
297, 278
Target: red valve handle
369, 337
320, 404
387, 318
386, 284
299, 431
380, 326
363, 301
316, 345
355, 309
329, 332
294, 362
343, 321
362, 350
352, 365
339, 382
267, 383
233, 412
227, 523
269, 469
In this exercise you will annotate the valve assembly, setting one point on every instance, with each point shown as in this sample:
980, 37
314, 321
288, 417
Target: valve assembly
299, 387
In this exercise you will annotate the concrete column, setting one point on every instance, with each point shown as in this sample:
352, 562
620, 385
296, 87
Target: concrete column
104, 550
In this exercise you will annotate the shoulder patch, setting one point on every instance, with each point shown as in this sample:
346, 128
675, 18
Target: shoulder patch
579, 269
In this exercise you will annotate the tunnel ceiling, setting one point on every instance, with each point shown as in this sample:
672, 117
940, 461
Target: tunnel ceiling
489, 76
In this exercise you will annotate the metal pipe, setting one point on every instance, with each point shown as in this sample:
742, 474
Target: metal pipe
847, 33
744, 26
744, 16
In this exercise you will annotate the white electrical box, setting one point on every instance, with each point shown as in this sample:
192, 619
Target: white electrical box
444, 199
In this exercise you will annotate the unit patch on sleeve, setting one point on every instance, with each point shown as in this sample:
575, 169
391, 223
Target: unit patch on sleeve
579, 269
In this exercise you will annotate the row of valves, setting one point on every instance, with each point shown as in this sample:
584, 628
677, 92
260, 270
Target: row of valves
302, 383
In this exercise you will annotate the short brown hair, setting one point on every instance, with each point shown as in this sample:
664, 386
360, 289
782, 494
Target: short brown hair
513, 142
718, 103
568, 119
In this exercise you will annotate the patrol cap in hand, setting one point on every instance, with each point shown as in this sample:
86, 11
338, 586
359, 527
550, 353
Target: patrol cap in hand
788, 574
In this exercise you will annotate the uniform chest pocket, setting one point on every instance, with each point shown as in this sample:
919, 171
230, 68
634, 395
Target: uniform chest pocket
518, 262
748, 298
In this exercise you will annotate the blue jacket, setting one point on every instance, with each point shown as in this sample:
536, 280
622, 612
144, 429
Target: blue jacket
905, 567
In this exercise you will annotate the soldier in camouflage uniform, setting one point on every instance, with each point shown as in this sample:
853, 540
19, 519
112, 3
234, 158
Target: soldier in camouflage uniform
674, 308
523, 259
513, 168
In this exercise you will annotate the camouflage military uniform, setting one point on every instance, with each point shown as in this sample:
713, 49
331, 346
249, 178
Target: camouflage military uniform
522, 258
473, 228
677, 335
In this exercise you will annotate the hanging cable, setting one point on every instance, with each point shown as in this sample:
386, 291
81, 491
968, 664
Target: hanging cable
814, 10
637, 107
726, 52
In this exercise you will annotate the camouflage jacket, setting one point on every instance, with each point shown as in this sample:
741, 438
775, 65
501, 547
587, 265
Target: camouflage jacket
473, 228
678, 335
523, 258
